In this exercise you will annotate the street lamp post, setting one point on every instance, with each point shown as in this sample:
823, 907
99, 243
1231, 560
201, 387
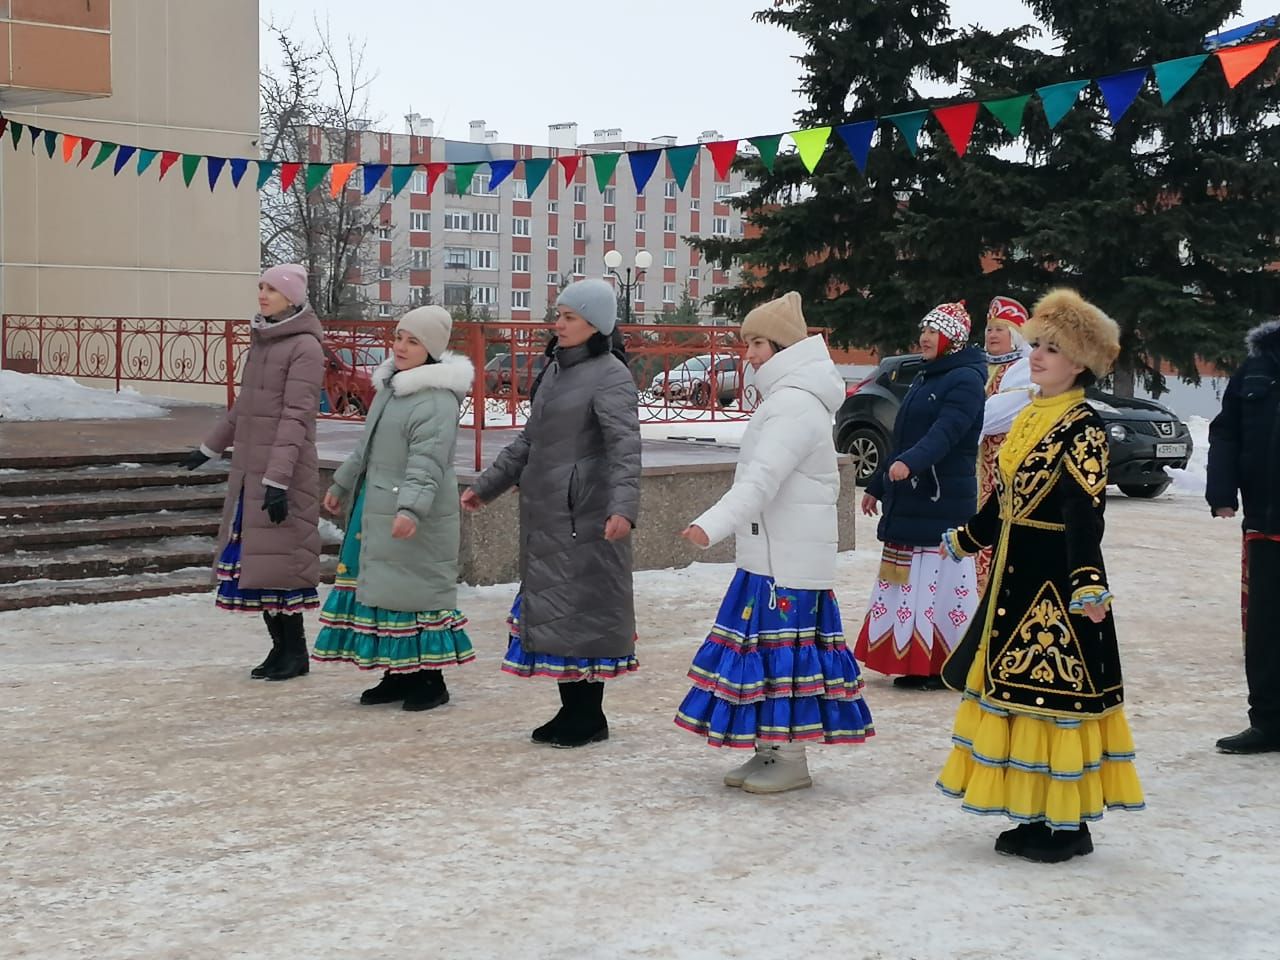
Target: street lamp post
643, 261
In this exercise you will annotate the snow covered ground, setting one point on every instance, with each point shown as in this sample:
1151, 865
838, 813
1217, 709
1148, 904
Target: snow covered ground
26, 396
160, 804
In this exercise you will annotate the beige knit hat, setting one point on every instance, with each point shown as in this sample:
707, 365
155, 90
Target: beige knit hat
779, 320
432, 325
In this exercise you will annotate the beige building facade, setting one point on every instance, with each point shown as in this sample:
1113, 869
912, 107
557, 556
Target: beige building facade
161, 74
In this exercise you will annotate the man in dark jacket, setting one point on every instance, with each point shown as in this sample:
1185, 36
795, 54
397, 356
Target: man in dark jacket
1244, 458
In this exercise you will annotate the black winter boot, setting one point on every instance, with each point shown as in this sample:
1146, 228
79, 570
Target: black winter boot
1012, 841
266, 666
585, 721
425, 690
547, 732
390, 689
293, 660
1057, 846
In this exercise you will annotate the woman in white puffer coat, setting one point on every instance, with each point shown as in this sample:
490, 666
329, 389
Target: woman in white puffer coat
774, 672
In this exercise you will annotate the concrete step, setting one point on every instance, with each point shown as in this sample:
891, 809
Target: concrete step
187, 523
116, 476
98, 560
109, 503
42, 461
50, 593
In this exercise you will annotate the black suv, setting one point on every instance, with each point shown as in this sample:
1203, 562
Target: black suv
1145, 437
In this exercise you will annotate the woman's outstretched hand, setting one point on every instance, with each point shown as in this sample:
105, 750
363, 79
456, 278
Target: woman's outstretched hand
696, 535
470, 501
617, 528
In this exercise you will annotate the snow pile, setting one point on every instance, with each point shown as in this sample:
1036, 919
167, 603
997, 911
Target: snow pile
1190, 482
26, 396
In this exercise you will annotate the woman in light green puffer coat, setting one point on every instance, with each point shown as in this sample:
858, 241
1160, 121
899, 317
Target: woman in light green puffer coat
394, 603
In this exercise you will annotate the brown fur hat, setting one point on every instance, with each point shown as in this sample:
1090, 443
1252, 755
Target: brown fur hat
1076, 327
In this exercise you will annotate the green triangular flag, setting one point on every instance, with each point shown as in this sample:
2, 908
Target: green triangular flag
50, 141
463, 174
605, 164
909, 125
15, 129
1009, 111
811, 144
1059, 98
265, 169
682, 160
105, 150
144, 159
768, 147
315, 174
190, 164
535, 171
1172, 75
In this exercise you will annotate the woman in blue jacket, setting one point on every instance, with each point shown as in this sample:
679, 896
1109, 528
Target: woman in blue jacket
920, 607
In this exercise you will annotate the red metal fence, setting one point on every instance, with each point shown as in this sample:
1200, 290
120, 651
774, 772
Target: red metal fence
685, 374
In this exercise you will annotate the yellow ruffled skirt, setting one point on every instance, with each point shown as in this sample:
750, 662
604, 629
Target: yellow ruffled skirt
1031, 770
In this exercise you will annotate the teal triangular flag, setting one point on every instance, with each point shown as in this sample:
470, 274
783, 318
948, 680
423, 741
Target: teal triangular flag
1172, 75
535, 171
144, 159
1059, 98
265, 169
400, 175
681, 160
910, 125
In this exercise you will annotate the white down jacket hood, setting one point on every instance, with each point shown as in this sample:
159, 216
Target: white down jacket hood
782, 506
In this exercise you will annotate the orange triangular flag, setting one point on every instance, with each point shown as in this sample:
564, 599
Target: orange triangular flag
339, 174
69, 144
1239, 62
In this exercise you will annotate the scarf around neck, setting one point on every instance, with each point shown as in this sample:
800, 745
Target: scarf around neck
1031, 426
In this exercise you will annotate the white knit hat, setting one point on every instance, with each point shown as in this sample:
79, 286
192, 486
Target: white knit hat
432, 325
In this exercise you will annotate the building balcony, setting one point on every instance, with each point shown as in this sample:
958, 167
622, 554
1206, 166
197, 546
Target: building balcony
54, 50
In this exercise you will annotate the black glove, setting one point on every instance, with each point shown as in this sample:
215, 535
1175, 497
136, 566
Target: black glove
194, 459
276, 502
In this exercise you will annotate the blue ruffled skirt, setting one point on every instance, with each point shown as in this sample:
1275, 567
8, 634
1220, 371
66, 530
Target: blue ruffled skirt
527, 663
232, 596
775, 668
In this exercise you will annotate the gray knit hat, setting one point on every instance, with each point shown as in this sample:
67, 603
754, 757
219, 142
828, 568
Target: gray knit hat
432, 325
594, 301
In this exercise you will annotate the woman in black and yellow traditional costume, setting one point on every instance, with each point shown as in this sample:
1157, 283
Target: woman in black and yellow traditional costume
1041, 736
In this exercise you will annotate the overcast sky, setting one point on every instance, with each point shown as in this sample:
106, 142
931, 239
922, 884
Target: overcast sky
650, 67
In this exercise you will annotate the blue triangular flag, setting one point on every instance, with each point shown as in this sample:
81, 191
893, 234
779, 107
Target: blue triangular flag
1120, 90
238, 167
372, 177
122, 157
857, 137
214, 166
643, 163
499, 170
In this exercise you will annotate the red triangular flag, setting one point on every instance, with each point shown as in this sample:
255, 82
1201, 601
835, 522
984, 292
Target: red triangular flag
288, 173
167, 160
570, 164
86, 145
723, 152
958, 121
434, 172
1239, 62
69, 144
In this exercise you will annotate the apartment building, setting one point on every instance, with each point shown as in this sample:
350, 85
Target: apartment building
506, 252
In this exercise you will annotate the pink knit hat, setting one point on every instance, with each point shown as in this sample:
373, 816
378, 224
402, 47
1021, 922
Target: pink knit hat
290, 279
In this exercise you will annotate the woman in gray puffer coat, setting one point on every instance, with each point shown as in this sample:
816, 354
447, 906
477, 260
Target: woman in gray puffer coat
577, 465
394, 603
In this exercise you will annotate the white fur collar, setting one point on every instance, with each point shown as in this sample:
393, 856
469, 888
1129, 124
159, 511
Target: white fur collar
454, 372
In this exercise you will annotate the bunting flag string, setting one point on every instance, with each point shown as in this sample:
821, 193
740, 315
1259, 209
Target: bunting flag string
956, 121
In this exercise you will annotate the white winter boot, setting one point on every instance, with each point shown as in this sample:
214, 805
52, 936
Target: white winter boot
738, 775
783, 767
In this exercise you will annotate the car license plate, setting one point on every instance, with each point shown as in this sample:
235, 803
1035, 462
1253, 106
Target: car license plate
1171, 451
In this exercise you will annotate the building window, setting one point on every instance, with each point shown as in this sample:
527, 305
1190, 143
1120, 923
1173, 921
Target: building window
457, 258
608, 231
720, 226
668, 258
519, 226
417, 296
553, 279
519, 263
384, 272
484, 296
695, 204
579, 193
610, 196
669, 223
485, 222
722, 191
456, 220
482, 260
421, 259
480, 185
519, 190
519, 299
384, 196
668, 293
420, 221
693, 273
639, 294
419, 182
669, 189
579, 230
639, 222
553, 243
579, 266
456, 294
553, 206
384, 309
384, 233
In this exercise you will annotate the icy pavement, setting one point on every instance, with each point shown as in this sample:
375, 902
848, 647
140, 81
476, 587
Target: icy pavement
160, 804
